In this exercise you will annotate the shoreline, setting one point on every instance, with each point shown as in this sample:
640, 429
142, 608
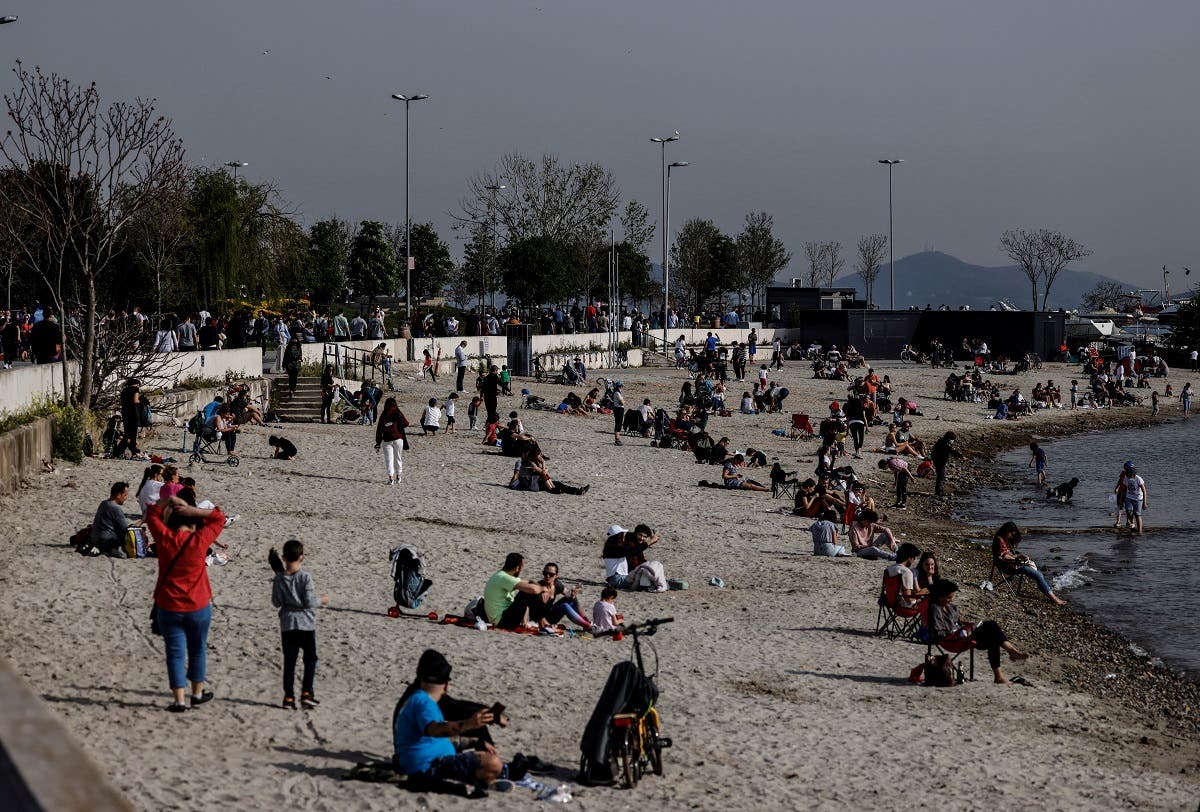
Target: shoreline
1100, 660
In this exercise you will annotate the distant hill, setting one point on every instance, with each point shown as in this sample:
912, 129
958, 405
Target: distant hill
934, 278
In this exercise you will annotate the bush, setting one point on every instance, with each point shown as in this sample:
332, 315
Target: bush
70, 426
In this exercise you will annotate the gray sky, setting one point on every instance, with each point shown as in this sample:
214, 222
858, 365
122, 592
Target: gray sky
1074, 115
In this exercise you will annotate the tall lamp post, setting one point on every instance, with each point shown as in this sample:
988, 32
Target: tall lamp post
235, 166
891, 162
666, 280
666, 254
495, 228
408, 100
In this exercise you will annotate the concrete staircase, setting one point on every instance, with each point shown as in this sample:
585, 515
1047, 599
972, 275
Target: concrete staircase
650, 358
302, 407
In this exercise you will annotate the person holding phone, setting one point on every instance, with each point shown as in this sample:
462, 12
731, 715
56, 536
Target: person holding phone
436, 736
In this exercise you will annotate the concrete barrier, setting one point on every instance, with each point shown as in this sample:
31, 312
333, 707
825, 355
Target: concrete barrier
23, 385
22, 451
42, 767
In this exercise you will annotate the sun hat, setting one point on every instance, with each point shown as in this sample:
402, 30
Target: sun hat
614, 529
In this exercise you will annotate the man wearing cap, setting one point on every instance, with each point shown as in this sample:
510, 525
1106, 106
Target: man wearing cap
421, 736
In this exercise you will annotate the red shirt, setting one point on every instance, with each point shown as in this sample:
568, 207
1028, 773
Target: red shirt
185, 588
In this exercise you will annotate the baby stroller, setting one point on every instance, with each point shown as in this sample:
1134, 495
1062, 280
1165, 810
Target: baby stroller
208, 444
347, 404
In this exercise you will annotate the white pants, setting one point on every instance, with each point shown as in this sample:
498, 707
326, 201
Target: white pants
391, 453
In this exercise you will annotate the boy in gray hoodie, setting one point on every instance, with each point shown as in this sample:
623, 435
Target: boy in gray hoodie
295, 596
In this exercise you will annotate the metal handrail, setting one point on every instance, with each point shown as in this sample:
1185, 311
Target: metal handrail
350, 363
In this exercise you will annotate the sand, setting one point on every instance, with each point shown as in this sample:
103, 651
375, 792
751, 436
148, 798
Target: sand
775, 690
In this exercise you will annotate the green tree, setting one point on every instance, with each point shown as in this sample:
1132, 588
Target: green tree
538, 270
480, 270
328, 254
760, 255
213, 217
702, 258
431, 258
372, 269
1185, 330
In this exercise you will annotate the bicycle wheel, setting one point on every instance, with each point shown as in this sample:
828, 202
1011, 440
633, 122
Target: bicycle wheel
622, 758
653, 748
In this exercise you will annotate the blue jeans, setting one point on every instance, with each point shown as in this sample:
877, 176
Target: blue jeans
1038, 578
185, 632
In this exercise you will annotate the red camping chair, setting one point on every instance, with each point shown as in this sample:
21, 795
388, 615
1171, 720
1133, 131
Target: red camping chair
951, 646
801, 427
894, 619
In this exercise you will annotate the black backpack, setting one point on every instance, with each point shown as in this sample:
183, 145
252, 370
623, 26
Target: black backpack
408, 573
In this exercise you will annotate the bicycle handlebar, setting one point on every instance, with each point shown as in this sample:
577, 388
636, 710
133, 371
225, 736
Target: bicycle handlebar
648, 626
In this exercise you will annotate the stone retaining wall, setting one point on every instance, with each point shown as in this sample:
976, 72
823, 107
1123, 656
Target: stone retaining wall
22, 452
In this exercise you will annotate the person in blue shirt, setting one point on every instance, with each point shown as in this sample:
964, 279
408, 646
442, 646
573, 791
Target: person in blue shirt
421, 736
212, 407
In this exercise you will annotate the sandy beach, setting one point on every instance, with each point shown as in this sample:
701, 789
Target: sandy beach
774, 689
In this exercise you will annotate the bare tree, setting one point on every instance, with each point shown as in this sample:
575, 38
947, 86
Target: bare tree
1022, 248
834, 262
761, 254
84, 173
570, 203
1107, 294
1041, 255
871, 250
122, 353
1057, 252
636, 223
815, 253
158, 235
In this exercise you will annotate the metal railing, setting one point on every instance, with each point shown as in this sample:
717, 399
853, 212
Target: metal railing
352, 363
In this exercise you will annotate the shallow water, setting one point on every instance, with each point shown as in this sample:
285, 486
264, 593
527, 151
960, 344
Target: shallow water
1143, 587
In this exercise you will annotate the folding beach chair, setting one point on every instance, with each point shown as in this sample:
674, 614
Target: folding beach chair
801, 428
894, 619
783, 484
1012, 580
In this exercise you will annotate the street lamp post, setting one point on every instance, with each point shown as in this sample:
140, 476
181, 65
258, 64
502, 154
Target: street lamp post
495, 229
407, 99
891, 162
667, 255
235, 166
666, 279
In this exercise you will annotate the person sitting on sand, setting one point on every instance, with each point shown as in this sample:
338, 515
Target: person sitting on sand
604, 612
507, 597
951, 634
110, 524
809, 502
422, 735
905, 440
910, 594
1007, 558
625, 563
824, 535
869, 539
284, 448
732, 479
557, 602
532, 474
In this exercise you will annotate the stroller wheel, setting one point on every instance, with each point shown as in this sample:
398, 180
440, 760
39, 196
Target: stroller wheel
233, 462
195, 458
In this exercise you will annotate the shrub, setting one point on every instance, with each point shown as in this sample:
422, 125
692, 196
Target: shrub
69, 428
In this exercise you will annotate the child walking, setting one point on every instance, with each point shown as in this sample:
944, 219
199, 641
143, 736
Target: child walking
293, 592
451, 407
1039, 459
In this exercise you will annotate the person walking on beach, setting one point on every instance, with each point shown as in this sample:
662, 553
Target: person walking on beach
1038, 458
389, 436
777, 353
618, 410
490, 388
294, 595
1137, 497
1185, 400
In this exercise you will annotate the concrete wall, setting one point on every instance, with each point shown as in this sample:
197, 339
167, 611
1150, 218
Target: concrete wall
184, 403
22, 385
22, 451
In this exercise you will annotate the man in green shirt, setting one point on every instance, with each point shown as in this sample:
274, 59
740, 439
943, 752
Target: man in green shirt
507, 596
341, 327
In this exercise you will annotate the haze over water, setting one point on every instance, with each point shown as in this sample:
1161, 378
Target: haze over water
1143, 587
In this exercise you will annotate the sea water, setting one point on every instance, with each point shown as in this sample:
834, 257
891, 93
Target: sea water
1144, 587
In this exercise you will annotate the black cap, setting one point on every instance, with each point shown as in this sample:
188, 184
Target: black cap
433, 668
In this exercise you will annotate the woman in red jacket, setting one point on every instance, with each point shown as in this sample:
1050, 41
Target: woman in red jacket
182, 596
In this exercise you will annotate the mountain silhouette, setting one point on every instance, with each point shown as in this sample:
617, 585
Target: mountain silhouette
935, 278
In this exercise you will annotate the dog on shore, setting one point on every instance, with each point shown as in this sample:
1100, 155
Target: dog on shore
1063, 492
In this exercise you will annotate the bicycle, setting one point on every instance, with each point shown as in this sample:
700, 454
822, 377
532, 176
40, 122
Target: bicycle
634, 743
